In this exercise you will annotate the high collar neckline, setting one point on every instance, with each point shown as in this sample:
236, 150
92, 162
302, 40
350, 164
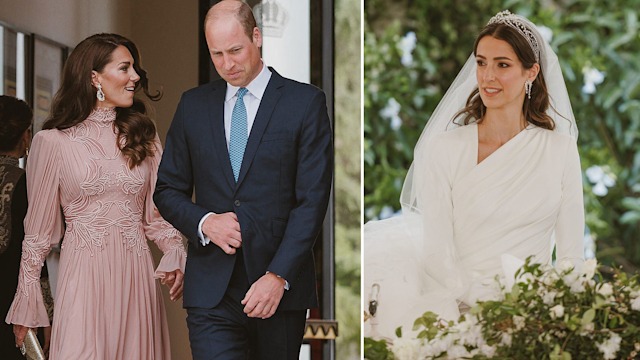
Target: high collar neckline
103, 114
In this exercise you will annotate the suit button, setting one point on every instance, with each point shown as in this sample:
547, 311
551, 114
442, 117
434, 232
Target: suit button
237, 203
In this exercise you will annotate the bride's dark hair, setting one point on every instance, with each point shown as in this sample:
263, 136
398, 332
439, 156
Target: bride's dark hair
534, 109
76, 98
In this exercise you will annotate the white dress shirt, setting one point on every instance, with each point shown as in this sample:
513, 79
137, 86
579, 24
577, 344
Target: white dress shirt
252, 98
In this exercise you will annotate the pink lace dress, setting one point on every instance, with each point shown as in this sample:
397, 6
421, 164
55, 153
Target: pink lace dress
108, 304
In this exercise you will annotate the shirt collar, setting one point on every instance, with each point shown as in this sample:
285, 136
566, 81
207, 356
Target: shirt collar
256, 87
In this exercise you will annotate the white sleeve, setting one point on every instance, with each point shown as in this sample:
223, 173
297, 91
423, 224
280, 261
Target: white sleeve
570, 224
434, 193
203, 239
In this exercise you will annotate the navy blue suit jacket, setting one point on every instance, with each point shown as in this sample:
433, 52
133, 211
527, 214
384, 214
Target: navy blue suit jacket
280, 198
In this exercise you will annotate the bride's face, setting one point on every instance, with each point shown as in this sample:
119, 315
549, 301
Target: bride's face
500, 74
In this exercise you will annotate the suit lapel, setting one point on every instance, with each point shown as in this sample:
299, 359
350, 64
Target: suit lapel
267, 105
216, 119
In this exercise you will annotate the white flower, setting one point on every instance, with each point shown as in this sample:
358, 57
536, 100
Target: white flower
587, 329
601, 179
609, 348
565, 266
472, 335
549, 278
594, 173
439, 345
549, 297
605, 289
391, 112
391, 109
589, 268
557, 311
488, 351
600, 190
545, 32
505, 339
589, 88
396, 123
406, 46
406, 348
589, 283
519, 322
572, 277
577, 287
592, 77
635, 304
457, 352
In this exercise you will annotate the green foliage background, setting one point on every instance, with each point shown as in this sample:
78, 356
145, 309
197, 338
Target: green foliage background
348, 134
586, 34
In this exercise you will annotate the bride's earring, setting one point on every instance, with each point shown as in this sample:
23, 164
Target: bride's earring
99, 93
527, 88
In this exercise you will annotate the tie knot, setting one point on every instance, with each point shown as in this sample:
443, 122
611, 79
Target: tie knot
241, 92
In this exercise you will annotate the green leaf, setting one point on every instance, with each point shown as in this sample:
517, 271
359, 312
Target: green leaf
376, 350
630, 217
631, 203
611, 97
559, 354
588, 316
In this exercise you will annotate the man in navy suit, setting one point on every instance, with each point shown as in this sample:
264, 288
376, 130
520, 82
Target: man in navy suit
258, 207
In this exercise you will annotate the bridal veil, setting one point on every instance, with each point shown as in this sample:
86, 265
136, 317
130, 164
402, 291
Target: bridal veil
410, 266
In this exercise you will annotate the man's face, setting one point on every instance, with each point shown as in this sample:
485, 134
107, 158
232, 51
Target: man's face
235, 56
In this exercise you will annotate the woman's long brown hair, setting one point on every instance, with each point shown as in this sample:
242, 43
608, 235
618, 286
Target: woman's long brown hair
76, 97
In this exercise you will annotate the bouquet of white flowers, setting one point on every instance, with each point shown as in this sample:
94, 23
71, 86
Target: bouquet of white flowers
549, 313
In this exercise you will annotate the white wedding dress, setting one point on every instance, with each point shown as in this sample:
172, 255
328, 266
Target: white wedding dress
465, 223
523, 200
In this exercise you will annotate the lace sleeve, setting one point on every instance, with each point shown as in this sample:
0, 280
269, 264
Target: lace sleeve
165, 236
43, 225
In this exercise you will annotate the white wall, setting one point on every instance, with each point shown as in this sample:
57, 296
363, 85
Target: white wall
166, 33
67, 21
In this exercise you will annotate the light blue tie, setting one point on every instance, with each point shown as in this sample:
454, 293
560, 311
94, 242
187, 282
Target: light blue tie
238, 133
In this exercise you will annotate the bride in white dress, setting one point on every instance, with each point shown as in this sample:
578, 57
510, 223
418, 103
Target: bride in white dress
495, 178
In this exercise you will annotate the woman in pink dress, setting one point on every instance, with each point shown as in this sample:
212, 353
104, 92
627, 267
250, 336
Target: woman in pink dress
92, 171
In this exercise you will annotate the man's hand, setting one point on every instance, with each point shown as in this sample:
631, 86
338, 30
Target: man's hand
174, 280
20, 332
263, 297
224, 231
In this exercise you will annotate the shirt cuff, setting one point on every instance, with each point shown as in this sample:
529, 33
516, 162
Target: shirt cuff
203, 239
286, 283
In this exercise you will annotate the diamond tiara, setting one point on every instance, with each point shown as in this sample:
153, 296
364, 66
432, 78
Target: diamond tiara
516, 22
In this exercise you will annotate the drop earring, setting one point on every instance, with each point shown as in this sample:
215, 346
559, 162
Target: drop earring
100, 93
527, 88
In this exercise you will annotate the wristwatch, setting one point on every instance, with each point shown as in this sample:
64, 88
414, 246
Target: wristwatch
286, 283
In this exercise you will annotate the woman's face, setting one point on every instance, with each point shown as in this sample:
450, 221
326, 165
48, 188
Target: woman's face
118, 79
500, 74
